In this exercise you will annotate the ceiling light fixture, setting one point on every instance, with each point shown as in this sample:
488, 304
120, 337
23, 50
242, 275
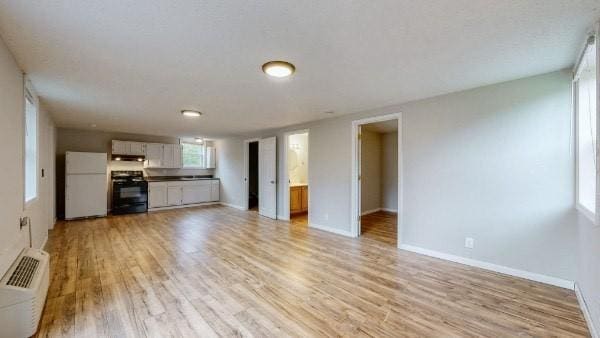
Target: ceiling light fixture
199, 140
191, 113
278, 68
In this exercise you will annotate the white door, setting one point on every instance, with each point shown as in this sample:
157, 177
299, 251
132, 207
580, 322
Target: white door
359, 180
85, 195
154, 154
267, 186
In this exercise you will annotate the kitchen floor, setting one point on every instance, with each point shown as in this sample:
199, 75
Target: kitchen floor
218, 271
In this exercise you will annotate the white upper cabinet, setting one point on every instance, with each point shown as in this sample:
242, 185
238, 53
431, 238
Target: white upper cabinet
177, 153
120, 148
154, 155
211, 162
128, 148
167, 158
137, 148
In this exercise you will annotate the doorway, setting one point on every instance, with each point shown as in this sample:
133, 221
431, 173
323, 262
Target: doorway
376, 184
295, 182
260, 176
252, 195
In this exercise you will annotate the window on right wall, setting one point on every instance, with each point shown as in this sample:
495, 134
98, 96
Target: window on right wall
585, 96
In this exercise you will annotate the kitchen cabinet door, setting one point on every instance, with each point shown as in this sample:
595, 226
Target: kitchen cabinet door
295, 199
177, 153
167, 158
304, 198
120, 147
154, 155
196, 193
215, 186
211, 158
174, 195
157, 194
136, 148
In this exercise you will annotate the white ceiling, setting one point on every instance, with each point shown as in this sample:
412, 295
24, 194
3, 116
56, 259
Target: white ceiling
133, 65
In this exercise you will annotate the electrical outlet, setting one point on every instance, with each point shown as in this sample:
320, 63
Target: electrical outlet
469, 242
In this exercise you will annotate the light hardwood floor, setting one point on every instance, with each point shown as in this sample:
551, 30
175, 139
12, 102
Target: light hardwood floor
380, 226
218, 271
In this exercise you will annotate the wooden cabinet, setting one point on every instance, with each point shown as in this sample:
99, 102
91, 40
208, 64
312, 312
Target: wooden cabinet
176, 193
157, 194
298, 199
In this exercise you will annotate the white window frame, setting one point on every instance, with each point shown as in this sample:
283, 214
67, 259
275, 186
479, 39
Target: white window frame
590, 214
183, 166
29, 95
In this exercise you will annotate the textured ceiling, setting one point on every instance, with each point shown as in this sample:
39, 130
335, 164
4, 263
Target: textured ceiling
133, 65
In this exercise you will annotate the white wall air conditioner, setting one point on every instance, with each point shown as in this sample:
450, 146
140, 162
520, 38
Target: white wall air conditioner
23, 292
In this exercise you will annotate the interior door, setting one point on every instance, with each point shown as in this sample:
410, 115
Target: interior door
267, 183
359, 180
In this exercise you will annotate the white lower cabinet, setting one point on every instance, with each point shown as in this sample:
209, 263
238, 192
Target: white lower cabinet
197, 193
174, 195
157, 194
168, 194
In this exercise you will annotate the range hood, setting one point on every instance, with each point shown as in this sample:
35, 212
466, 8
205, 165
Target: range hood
130, 158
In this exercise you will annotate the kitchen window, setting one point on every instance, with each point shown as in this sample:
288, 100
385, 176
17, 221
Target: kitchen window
31, 151
194, 156
584, 86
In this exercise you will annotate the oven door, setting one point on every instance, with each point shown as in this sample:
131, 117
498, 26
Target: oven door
128, 193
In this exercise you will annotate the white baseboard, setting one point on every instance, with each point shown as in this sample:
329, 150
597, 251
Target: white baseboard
283, 218
331, 229
586, 312
372, 211
182, 206
232, 206
493, 267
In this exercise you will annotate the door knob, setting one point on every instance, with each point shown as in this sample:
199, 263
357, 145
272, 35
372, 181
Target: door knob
272, 182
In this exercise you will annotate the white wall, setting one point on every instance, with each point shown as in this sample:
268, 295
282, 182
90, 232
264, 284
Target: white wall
13, 239
370, 163
230, 169
494, 163
389, 171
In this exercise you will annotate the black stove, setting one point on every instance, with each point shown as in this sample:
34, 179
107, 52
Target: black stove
129, 193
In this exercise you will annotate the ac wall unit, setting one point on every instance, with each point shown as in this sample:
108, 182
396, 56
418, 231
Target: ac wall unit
23, 292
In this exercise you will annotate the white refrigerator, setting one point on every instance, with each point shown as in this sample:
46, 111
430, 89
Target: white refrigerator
85, 185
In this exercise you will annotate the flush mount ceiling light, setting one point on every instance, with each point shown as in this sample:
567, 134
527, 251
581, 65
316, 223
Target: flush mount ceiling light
278, 69
191, 113
199, 140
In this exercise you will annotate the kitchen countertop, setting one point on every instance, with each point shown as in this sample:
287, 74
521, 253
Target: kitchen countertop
178, 178
298, 185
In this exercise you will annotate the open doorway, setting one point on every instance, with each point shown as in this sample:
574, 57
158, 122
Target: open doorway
296, 190
376, 190
252, 176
